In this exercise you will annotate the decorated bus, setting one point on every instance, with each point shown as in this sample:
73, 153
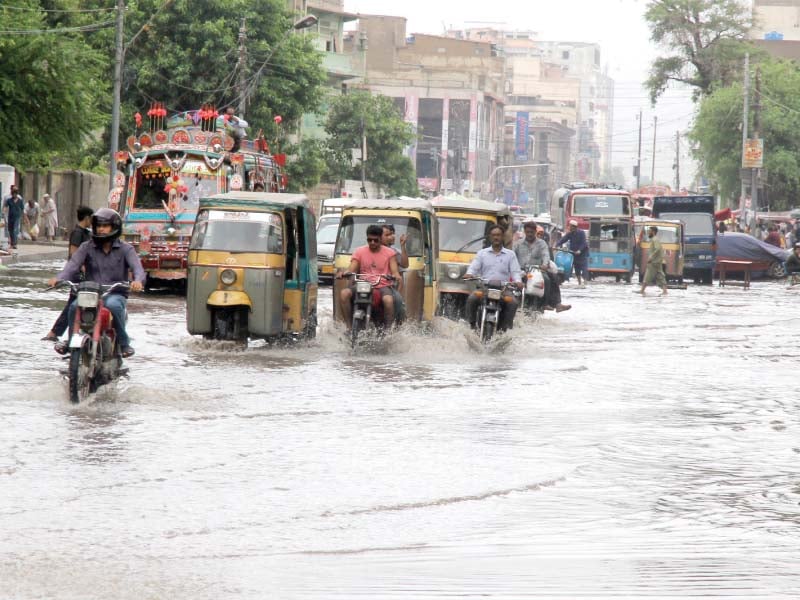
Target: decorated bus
172, 163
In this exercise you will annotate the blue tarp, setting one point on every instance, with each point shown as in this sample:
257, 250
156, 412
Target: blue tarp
741, 246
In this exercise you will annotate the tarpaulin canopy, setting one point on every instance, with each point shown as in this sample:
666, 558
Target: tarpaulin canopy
722, 215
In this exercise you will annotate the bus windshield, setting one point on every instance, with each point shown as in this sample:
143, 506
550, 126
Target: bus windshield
353, 232
154, 177
463, 235
231, 231
596, 205
694, 223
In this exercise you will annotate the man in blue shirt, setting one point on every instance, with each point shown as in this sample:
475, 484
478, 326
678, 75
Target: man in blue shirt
495, 263
579, 247
14, 206
106, 260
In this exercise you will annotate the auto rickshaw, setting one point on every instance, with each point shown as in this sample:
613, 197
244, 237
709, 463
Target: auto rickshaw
670, 233
253, 268
464, 225
412, 217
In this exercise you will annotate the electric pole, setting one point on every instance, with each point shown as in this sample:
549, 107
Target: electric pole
745, 119
639, 154
677, 161
756, 134
118, 57
653, 168
242, 68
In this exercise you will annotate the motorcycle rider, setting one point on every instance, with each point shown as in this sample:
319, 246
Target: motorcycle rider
372, 259
532, 251
106, 260
495, 263
579, 246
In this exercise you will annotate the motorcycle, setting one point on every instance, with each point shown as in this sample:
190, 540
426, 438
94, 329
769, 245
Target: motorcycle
366, 303
533, 295
95, 358
491, 295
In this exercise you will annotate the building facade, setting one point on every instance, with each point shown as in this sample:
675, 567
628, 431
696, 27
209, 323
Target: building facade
776, 27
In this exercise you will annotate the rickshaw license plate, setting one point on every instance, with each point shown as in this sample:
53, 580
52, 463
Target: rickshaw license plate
170, 264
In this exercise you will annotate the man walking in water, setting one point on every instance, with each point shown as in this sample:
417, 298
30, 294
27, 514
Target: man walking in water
655, 263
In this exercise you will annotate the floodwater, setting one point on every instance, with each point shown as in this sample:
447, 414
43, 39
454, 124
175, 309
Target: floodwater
631, 447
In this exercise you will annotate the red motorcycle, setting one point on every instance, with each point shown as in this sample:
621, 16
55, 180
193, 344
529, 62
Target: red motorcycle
95, 358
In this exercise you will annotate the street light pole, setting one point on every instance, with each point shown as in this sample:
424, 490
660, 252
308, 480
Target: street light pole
118, 55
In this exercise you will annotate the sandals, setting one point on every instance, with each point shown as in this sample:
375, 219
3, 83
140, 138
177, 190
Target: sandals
50, 337
127, 352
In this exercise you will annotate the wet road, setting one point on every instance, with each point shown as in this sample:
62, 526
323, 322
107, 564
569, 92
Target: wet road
632, 447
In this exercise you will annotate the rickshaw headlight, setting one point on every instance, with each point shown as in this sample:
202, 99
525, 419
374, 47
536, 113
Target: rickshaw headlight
228, 277
454, 272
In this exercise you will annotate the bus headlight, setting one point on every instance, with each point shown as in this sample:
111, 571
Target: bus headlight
228, 277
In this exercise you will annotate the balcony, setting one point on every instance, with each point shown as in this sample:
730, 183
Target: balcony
344, 65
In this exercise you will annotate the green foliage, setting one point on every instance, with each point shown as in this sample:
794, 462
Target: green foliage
50, 85
387, 136
308, 165
718, 138
187, 54
704, 43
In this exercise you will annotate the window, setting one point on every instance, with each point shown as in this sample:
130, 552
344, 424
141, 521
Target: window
233, 231
463, 235
353, 232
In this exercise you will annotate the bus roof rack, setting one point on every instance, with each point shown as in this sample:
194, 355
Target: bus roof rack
578, 185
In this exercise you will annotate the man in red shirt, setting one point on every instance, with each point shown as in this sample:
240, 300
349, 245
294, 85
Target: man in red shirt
372, 259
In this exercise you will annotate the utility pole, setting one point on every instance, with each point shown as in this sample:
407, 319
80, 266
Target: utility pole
677, 161
639, 154
363, 159
756, 134
653, 168
745, 119
242, 68
118, 56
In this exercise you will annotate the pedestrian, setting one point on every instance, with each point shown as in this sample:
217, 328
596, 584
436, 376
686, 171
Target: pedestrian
80, 234
721, 227
30, 220
49, 218
579, 246
655, 263
773, 238
14, 208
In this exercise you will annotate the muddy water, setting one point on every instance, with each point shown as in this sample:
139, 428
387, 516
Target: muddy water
630, 447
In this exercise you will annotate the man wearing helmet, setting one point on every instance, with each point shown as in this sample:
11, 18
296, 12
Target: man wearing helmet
106, 260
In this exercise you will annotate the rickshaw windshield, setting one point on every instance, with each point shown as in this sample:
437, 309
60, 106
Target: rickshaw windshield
232, 231
353, 232
155, 183
668, 235
463, 235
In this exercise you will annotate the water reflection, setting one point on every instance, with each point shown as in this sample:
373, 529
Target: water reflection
96, 433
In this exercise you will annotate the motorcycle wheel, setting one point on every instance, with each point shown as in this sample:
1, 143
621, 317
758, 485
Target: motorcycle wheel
80, 380
487, 332
358, 327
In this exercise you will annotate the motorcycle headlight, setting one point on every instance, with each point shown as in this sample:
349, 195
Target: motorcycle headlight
363, 287
228, 277
87, 299
494, 294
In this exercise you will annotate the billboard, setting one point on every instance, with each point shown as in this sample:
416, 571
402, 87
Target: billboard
521, 139
753, 157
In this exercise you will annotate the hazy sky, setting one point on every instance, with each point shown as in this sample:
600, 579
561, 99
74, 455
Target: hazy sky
626, 50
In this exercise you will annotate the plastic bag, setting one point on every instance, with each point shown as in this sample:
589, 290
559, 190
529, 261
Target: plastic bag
535, 284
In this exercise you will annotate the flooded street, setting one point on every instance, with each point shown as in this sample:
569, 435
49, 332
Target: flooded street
630, 447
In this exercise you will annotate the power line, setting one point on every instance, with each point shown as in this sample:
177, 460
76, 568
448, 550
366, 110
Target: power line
59, 30
57, 10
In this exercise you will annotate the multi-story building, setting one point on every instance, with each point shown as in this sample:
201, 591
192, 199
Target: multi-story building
342, 64
776, 27
450, 90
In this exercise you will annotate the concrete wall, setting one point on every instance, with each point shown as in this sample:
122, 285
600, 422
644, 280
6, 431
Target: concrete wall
70, 189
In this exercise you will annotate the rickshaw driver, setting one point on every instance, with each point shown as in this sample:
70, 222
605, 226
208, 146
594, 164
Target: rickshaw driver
372, 259
495, 263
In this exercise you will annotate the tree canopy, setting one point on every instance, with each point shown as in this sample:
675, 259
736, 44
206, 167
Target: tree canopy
717, 135
387, 136
704, 43
51, 81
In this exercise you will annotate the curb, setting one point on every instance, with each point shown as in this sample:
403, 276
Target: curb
33, 256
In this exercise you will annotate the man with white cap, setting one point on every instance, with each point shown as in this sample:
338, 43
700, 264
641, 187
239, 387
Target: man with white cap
579, 246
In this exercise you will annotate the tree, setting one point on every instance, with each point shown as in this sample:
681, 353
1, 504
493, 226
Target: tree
187, 54
717, 135
308, 165
387, 136
704, 40
51, 82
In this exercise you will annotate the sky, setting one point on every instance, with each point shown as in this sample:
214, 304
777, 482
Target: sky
626, 51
